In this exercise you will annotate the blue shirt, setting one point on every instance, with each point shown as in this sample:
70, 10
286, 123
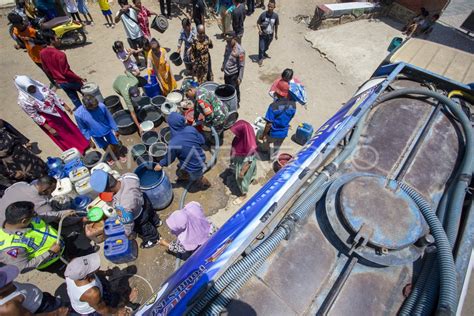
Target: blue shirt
185, 144
280, 113
96, 123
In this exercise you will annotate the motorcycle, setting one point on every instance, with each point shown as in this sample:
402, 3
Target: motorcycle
68, 32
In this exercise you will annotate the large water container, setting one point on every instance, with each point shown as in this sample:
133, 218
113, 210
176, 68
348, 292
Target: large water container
113, 104
93, 89
55, 167
119, 249
209, 86
70, 154
303, 134
152, 89
79, 174
83, 187
113, 227
155, 184
228, 96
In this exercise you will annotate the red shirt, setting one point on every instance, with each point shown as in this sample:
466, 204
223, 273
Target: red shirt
55, 64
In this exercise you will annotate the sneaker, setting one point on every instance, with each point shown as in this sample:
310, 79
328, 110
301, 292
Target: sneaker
260, 62
148, 244
92, 23
113, 26
159, 223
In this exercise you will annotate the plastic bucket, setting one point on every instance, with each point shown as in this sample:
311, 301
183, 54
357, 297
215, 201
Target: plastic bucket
150, 137
152, 89
174, 97
140, 102
138, 150
209, 86
189, 116
230, 120
176, 59
168, 108
158, 151
147, 126
227, 94
125, 124
93, 89
159, 23
150, 113
165, 135
92, 158
145, 158
80, 203
113, 104
158, 101
281, 161
396, 42
155, 184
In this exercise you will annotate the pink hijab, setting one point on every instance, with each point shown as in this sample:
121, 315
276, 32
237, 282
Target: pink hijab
190, 225
244, 143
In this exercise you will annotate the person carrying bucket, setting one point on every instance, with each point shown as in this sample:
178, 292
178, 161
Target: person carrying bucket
127, 87
206, 103
133, 208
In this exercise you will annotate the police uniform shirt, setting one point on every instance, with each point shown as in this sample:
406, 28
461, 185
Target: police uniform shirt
129, 198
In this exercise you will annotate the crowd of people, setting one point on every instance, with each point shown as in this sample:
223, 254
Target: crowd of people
31, 237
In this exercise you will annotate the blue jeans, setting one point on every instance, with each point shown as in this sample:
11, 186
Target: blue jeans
106, 140
72, 89
263, 44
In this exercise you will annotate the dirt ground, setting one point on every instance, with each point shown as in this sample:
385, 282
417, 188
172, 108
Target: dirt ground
327, 89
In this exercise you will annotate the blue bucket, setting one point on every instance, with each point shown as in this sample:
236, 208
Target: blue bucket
80, 202
155, 184
152, 89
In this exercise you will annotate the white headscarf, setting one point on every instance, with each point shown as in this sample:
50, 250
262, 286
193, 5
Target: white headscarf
23, 82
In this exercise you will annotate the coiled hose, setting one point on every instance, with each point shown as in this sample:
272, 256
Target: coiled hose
447, 271
236, 276
453, 217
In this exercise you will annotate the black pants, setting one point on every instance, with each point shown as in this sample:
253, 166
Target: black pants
250, 6
168, 7
49, 304
263, 44
145, 224
233, 81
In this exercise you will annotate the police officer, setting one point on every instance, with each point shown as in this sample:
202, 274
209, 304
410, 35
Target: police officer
133, 208
27, 242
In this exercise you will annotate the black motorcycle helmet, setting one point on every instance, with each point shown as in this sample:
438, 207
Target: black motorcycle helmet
15, 19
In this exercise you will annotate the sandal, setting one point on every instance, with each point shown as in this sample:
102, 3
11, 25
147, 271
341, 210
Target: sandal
148, 244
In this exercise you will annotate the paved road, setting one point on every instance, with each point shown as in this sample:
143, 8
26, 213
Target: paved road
456, 12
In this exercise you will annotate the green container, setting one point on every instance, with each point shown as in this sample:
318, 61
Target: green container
396, 42
95, 214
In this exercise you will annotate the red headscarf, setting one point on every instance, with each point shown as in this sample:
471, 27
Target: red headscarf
244, 143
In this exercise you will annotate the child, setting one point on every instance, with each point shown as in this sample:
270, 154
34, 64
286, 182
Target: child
84, 10
71, 8
105, 7
125, 57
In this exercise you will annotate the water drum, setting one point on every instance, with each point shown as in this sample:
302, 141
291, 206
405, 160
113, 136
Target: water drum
92, 158
158, 151
140, 102
209, 86
152, 89
155, 184
113, 104
159, 23
165, 135
93, 89
228, 96
158, 101
138, 150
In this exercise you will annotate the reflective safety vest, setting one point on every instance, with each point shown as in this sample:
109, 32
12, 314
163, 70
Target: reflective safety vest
36, 241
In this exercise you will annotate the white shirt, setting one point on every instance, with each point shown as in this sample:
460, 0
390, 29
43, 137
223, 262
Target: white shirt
131, 27
75, 292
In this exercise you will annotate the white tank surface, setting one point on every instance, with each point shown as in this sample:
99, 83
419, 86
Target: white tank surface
70, 155
83, 187
102, 166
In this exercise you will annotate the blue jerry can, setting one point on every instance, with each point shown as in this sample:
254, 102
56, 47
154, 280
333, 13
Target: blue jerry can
113, 227
119, 249
304, 132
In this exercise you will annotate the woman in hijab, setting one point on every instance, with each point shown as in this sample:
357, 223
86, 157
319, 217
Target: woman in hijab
192, 229
243, 160
47, 110
159, 66
185, 144
17, 162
